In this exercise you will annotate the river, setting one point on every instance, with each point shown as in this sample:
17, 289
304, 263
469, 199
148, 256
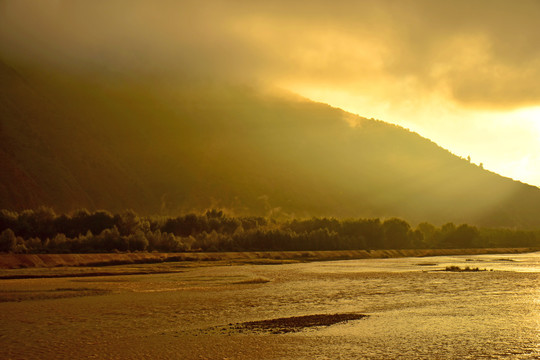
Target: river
415, 311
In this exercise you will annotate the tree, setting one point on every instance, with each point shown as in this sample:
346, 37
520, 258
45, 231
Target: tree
59, 243
214, 213
8, 219
137, 241
396, 233
8, 240
429, 233
417, 239
127, 222
464, 236
111, 239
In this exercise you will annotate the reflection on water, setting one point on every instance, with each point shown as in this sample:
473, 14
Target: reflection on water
416, 311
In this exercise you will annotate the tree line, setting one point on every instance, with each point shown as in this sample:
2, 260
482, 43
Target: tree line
43, 231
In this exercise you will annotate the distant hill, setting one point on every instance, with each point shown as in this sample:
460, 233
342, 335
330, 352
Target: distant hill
110, 142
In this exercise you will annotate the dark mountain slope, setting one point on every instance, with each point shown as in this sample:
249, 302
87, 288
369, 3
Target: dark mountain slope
50, 156
71, 141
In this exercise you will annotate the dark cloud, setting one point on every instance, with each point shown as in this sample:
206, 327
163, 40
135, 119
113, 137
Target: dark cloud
481, 53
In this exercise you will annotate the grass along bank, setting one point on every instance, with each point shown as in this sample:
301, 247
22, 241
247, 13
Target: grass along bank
18, 261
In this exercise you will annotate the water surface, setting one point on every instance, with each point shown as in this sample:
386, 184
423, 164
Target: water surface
416, 311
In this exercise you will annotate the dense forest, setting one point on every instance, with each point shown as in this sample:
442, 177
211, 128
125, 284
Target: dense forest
43, 231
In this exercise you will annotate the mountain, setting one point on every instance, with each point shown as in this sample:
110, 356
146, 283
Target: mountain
162, 146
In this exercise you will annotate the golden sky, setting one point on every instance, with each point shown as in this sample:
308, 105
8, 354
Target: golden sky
465, 74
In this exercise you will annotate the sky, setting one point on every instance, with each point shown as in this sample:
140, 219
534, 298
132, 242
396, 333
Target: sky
463, 73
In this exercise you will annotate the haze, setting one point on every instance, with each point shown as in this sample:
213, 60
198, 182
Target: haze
464, 74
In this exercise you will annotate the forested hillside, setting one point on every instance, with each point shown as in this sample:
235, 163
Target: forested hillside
106, 141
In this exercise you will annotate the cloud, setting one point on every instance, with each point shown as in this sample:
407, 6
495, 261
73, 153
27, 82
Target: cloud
480, 54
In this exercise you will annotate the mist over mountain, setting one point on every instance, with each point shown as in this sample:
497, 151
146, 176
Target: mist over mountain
108, 141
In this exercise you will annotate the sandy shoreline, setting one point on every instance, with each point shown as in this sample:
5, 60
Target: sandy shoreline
21, 261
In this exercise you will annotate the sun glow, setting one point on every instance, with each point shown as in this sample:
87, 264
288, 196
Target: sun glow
506, 142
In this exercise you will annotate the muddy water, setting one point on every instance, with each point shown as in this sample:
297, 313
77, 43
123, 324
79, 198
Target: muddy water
415, 311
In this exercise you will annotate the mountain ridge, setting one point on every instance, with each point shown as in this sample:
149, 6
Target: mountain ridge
70, 141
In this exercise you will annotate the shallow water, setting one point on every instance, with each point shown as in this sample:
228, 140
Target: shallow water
416, 311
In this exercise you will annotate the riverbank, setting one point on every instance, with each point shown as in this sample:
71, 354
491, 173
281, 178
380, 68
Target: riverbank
21, 261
